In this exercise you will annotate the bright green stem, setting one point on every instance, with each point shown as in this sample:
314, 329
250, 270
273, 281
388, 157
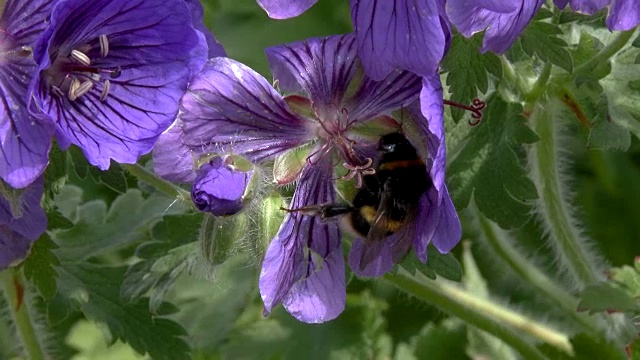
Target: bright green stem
498, 241
603, 55
554, 209
540, 86
13, 283
157, 182
511, 327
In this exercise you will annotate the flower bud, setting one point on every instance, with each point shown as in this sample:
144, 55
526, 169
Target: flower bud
221, 187
218, 236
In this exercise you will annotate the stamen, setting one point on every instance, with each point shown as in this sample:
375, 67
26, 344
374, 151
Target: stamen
115, 73
80, 57
73, 87
358, 171
104, 45
83, 88
476, 109
105, 90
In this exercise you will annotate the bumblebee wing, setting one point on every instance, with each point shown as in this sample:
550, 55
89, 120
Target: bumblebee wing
378, 237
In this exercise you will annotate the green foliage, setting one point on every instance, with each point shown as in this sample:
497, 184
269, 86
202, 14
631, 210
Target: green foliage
445, 265
39, 267
468, 71
543, 39
114, 179
605, 297
490, 169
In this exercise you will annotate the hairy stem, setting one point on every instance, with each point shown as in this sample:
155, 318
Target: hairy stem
554, 209
154, 180
511, 327
13, 285
540, 86
604, 54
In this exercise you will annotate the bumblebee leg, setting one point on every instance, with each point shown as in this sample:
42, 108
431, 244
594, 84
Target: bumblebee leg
324, 211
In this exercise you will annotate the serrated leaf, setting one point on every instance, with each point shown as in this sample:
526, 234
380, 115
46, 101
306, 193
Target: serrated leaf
622, 99
606, 134
114, 178
489, 168
56, 173
467, 71
541, 38
444, 341
628, 277
97, 291
98, 230
39, 266
445, 265
606, 297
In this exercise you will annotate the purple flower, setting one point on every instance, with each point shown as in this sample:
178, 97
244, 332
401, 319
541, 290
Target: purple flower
410, 35
284, 9
503, 20
221, 188
623, 14
111, 73
22, 221
231, 107
25, 142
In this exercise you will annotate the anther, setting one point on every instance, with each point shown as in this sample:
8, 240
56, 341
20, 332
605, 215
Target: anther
80, 57
104, 45
106, 85
83, 88
73, 87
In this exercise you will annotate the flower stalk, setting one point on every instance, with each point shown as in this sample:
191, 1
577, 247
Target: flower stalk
158, 183
604, 54
513, 328
12, 283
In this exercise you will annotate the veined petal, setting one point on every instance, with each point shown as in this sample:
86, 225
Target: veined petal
561, 4
284, 9
197, 14
135, 81
502, 29
385, 254
449, 230
431, 125
623, 15
18, 230
172, 159
406, 34
24, 141
303, 267
231, 108
426, 222
373, 98
321, 67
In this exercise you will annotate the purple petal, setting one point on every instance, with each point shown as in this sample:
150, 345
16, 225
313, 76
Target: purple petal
385, 254
19, 229
24, 142
219, 188
588, 7
624, 15
284, 9
502, 29
153, 51
231, 108
426, 222
431, 125
561, 4
197, 14
172, 159
449, 230
321, 67
406, 34
303, 267
374, 98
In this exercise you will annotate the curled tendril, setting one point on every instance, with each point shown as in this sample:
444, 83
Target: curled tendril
358, 171
475, 108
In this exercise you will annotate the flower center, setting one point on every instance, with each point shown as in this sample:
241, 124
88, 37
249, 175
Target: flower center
75, 74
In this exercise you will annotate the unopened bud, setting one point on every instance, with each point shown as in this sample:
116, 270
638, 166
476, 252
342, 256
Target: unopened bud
218, 236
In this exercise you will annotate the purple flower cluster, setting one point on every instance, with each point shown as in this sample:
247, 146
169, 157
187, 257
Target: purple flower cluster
230, 108
104, 75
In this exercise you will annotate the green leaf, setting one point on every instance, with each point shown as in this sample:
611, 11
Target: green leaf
467, 71
629, 277
114, 178
444, 341
490, 168
445, 265
621, 93
96, 290
542, 38
55, 175
39, 266
606, 297
98, 230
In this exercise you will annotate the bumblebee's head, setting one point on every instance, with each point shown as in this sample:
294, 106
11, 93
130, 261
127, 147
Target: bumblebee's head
395, 143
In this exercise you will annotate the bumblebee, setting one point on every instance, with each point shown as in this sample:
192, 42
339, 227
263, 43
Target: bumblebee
388, 199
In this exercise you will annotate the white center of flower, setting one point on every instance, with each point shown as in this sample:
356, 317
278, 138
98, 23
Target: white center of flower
75, 74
